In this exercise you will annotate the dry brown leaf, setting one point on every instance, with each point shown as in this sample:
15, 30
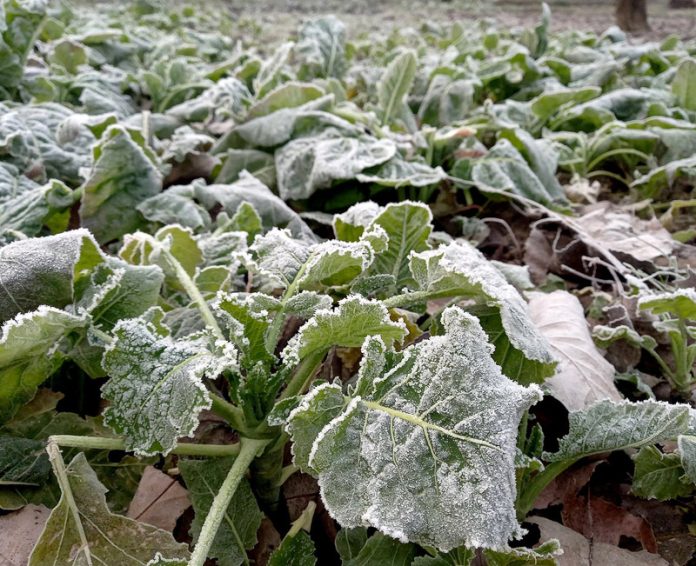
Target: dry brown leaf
566, 486
626, 234
602, 521
579, 551
159, 500
19, 531
583, 376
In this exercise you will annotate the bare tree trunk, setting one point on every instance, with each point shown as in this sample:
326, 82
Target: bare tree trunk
682, 4
632, 15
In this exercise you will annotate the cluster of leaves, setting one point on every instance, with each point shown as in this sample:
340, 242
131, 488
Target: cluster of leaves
190, 225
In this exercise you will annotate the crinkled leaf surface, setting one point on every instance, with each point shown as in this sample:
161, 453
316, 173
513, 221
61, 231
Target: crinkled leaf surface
122, 176
305, 165
398, 172
395, 84
335, 263
459, 269
43, 271
687, 451
29, 354
350, 225
422, 441
23, 461
408, 225
347, 325
31, 209
156, 388
357, 549
237, 533
607, 426
659, 476
20, 22
111, 539
684, 84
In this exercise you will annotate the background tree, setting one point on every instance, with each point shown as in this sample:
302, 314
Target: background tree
632, 15
682, 4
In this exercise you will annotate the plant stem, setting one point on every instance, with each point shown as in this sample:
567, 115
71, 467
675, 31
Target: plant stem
184, 449
303, 375
416, 297
536, 485
192, 291
249, 450
304, 521
233, 414
64, 483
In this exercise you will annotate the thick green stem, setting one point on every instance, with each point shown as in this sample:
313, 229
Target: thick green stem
303, 375
249, 450
64, 483
231, 413
184, 449
525, 502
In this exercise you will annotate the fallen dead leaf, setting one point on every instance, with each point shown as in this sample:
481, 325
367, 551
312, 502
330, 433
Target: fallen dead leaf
579, 551
566, 486
624, 233
583, 376
159, 500
19, 531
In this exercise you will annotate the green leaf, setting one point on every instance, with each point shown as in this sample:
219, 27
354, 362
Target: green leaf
548, 103
19, 24
29, 211
320, 48
29, 354
175, 206
607, 426
237, 533
350, 225
111, 539
394, 85
684, 84
687, 452
245, 219
307, 164
258, 163
156, 388
504, 168
398, 172
456, 557
278, 257
335, 263
297, 550
408, 225
681, 303
122, 176
44, 271
460, 270
419, 442
347, 325
23, 461
544, 555
658, 475
356, 549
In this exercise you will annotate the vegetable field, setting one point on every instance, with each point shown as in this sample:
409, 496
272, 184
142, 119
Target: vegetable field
421, 296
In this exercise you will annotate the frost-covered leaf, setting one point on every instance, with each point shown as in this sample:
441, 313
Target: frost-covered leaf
583, 375
297, 550
111, 539
30, 210
606, 426
420, 440
278, 256
44, 271
394, 85
156, 388
684, 84
29, 353
350, 225
687, 452
408, 225
681, 303
175, 206
258, 163
288, 95
237, 533
460, 270
347, 325
122, 176
335, 263
400, 173
307, 164
320, 48
658, 476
